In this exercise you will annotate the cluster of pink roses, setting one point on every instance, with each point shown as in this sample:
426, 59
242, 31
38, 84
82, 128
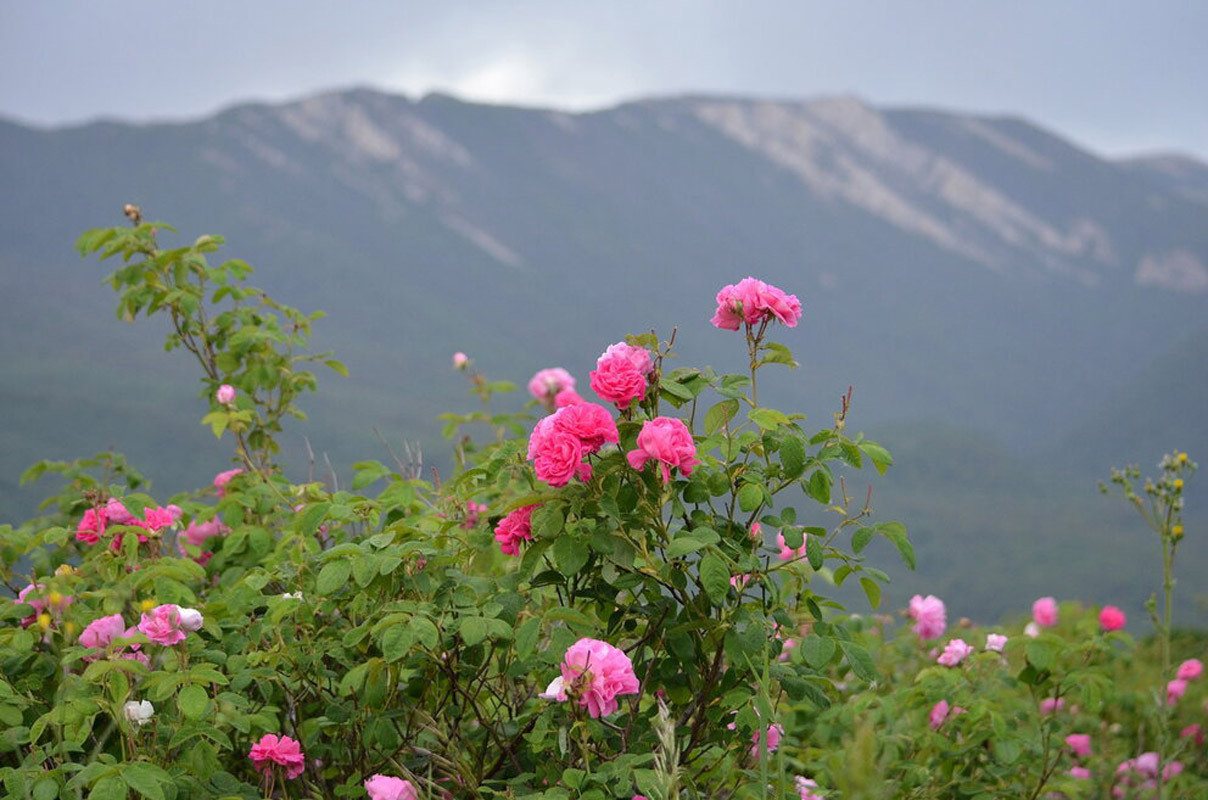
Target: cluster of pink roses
1142, 773
621, 374
561, 442
278, 750
41, 600
96, 521
594, 673
101, 632
1189, 670
752, 302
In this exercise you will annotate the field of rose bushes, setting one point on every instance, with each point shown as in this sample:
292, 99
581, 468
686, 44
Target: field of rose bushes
624, 590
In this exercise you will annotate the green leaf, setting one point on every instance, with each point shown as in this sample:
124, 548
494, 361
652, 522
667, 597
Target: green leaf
110, 787
861, 538
813, 551
308, 521
768, 418
819, 486
473, 630
682, 545
146, 779
675, 389
750, 497
715, 577
337, 366
859, 660
397, 641
1042, 653
792, 456
333, 576
192, 702
570, 554
733, 386
880, 457
425, 632
872, 590
368, 472
818, 650
717, 416
526, 636
896, 533
777, 354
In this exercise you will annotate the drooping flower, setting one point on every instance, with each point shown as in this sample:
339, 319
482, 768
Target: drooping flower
620, 374
955, 652
1079, 743
1044, 612
595, 673
225, 394
515, 528
223, 478
929, 615
547, 384
1190, 669
386, 787
995, 642
283, 751
753, 301
139, 713
668, 441
1112, 619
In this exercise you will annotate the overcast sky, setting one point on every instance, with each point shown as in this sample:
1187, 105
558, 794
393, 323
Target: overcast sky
1117, 76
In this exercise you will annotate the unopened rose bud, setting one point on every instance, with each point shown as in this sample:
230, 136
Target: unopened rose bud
133, 212
225, 394
191, 619
460, 360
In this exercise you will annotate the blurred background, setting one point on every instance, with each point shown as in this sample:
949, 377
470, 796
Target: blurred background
995, 216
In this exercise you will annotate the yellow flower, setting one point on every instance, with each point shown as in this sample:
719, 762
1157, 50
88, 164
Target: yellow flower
1178, 483
44, 621
146, 605
1182, 458
1177, 530
55, 598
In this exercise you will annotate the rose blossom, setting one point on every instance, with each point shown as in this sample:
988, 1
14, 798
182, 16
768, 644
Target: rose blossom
223, 478
595, 672
557, 454
940, 712
50, 601
1044, 612
283, 750
1080, 743
591, 422
225, 394
1190, 669
101, 632
514, 528
929, 615
139, 713
169, 624
954, 653
473, 511
620, 374
752, 301
995, 642
668, 441
1175, 690
385, 787
1112, 619
805, 788
92, 526
198, 532
1193, 732
567, 397
787, 553
548, 383
1031, 630
460, 360
1081, 773
1050, 705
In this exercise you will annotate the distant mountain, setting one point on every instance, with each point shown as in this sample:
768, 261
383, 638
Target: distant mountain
977, 272
1183, 175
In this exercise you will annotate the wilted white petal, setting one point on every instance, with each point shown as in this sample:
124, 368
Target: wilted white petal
553, 691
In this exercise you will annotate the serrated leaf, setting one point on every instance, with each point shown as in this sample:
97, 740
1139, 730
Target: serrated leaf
473, 630
397, 641
813, 551
792, 456
818, 650
192, 702
1041, 653
880, 457
768, 418
526, 636
717, 416
715, 577
570, 554
426, 632
819, 486
110, 787
750, 497
311, 516
861, 538
682, 546
896, 533
368, 472
859, 660
333, 576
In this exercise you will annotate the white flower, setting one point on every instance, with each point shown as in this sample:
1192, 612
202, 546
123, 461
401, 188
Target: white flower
292, 596
190, 619
1032, 629
139, 712
554, 690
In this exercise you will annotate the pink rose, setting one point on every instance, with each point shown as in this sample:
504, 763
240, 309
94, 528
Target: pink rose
473, 512
1050, 705
198, 532
101, 632
117, 513
283, 751
1112, 619
163, 625
557, 454
1079, 743
954, 653
591, 422
1193, 732
155, 519
225, 394
753, 301
668, 441
940, 712
805, 788
385, 787
460, 360
515, 528
774, 732
1175, 690
223, 478
995, 642
92, 526
53, 602
1044, 612
929, 615
596, 673
548, 383
620, 374
1081, 773
1190, 669
567, 397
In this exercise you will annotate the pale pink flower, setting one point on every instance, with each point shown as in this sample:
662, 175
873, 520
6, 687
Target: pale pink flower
1050, 705
223, 478
282, 751
620, 374
1044, 612
385, 787
101, 632
197, 533
752, 301
163, 625
787, 553
1112, 619
996, 642
1079, 743
225, 394
805, 788
1175, 690
515, 528
954, 653
1193, 732
548, 383
1031, 630
117, 513
460, 360
668, 441
940, 712
1190, 669
1081, 773
929, 615
596, 673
